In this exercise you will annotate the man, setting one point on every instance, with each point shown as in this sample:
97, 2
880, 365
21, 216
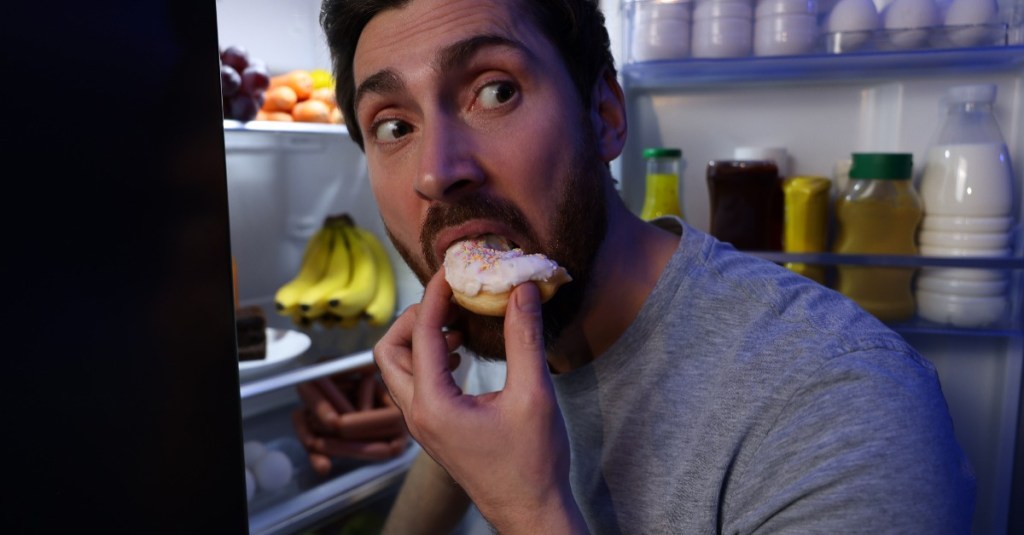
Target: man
702, 390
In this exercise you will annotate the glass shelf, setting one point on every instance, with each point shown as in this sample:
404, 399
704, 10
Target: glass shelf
1011, 325
857, 65
835, 259
284, 127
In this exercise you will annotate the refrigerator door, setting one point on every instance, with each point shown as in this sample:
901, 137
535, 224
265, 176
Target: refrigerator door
120, 388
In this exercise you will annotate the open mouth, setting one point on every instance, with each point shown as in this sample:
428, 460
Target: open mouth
498, 243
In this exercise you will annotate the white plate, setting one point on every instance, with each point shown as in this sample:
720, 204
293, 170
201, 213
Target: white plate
282, 346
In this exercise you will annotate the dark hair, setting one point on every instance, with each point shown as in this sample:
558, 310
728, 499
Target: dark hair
576, 27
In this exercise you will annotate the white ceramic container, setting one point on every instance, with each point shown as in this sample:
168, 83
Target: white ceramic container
962, 311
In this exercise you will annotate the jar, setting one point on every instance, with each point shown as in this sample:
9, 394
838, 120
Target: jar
879, 213
785, 27
659, 30
778, 155
722, 28
661, 197
746, 203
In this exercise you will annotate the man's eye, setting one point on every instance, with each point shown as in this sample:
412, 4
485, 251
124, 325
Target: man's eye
391, 130
496, 94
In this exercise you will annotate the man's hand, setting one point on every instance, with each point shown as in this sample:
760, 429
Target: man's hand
509, 450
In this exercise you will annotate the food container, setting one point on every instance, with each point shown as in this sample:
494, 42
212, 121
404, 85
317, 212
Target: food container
959, 310
785, 27
658, 30
722, 28
746, 203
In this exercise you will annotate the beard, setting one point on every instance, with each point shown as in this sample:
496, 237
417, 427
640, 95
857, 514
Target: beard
579, 225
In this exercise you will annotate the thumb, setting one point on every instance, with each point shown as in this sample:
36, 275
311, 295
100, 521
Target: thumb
526, 360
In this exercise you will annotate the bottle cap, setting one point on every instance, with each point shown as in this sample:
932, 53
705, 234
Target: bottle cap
662, 152
882, 165
972, 93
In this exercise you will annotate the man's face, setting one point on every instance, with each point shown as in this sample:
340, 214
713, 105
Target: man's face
472, 125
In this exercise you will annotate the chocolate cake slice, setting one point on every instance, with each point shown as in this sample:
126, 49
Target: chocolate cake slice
251, 324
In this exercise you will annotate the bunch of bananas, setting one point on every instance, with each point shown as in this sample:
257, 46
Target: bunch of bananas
345, 277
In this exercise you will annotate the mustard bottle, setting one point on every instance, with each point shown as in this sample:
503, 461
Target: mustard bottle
805, 221
661, 197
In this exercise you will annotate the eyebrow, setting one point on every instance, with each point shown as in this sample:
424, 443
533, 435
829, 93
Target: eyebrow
449, 58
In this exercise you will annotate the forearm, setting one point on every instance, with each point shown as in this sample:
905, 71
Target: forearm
429, 502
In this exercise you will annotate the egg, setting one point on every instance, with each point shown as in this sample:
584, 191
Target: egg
273, 471
855, 20
909, 21
965, 13
253, 451
250, 485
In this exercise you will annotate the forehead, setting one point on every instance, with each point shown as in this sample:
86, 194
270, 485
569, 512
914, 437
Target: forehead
413, 34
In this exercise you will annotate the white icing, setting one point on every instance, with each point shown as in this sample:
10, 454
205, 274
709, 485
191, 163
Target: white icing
473, 266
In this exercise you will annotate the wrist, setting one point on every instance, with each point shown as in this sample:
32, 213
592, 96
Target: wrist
560, 515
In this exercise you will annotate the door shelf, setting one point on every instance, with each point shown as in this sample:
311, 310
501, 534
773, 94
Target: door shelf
1010, 326
858, 66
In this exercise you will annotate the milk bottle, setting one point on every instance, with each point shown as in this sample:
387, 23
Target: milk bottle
967, 191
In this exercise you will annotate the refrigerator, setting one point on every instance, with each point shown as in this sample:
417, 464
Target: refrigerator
820, 105
130, 411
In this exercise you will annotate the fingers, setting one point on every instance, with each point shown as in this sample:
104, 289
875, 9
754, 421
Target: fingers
431, 376
393, 355
524, 338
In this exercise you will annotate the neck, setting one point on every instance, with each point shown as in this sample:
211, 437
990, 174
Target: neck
631, 258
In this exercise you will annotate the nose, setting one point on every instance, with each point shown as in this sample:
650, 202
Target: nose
448, 166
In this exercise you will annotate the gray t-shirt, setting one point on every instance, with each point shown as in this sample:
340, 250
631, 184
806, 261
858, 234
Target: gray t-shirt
745, 398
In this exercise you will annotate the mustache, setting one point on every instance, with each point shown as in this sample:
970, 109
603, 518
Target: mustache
473, 206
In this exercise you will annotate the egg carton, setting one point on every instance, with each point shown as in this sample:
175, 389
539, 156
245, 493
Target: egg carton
906, 39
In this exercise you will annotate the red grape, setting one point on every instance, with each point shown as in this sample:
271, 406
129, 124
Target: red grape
235, 56
230, 80
255, 80
244, 107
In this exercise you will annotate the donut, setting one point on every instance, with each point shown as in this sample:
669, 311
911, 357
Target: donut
483, 271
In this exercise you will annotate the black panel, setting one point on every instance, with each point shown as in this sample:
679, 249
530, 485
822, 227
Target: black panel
119, 380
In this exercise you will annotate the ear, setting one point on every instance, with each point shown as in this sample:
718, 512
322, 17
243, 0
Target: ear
608, 115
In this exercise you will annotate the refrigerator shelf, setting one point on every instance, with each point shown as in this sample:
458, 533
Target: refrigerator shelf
834, 259
670, 74
309, 499
231, 125
307, 373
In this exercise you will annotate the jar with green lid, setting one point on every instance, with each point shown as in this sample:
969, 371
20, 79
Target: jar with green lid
661, 197
878, 213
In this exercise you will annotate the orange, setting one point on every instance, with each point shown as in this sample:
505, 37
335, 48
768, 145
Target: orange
278, 116
325, 94
312, 111
337, 117
280, 98
299, 80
